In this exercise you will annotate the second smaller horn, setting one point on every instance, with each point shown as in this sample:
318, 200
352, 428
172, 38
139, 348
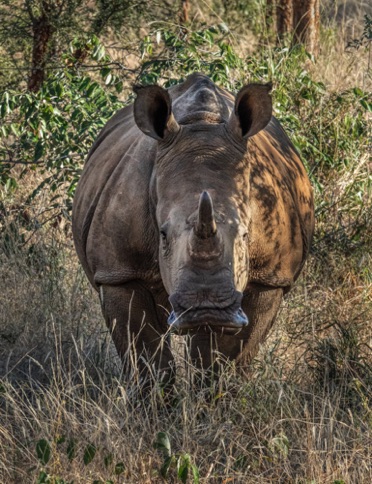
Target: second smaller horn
206, 225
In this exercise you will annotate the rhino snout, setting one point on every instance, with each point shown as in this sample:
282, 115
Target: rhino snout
221, 316
231, 322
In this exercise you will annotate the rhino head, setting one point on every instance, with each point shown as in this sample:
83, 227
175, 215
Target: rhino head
200, 202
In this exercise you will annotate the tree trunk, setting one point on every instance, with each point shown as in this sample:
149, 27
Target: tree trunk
300, 18
41, 34
306, 24
284, 17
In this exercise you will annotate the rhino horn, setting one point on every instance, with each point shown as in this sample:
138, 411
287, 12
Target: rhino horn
206, 225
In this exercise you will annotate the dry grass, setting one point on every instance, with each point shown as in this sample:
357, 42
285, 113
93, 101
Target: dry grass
341, 68
266, 430
304, 415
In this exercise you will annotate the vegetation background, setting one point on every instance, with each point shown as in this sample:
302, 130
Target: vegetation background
67, 414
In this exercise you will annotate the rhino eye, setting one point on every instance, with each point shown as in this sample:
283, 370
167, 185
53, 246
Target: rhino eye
164, 232
164, 239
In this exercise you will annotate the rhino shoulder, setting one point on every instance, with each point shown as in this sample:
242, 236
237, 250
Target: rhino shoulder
283, 208
112, 225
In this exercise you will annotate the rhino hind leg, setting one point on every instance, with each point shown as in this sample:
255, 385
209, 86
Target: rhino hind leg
137, 333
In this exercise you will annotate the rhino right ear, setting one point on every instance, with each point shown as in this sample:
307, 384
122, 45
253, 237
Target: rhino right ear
153, 112
252, 110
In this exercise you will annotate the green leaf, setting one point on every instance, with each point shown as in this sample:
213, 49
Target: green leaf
11, 184
89, 453
195, 474
42, 478
59, 89
105, 71
367, 106
6, 102
43, 451
71, 449
358, 92
119, 468
60, 440
279, 445
85, 83
183, 464
107, 460
39, 150
99, 52
162, 443
164, 469
91, 89
183, 472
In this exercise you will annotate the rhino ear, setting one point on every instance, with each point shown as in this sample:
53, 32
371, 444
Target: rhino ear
153, 112
252, 110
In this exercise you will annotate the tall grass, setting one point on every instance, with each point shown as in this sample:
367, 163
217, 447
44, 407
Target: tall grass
281, 425
303, 413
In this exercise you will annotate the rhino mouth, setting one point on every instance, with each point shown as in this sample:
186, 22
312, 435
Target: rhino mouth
209, 320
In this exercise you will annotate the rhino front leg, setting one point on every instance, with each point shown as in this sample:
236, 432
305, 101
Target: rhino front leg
261, 305
138, 334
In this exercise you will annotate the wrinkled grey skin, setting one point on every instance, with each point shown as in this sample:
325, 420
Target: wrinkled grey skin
193, 212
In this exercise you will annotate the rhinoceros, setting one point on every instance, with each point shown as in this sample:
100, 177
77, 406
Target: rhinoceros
194, 215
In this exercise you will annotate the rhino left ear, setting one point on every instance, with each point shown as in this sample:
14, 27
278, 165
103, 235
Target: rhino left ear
252, 110
153, 112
